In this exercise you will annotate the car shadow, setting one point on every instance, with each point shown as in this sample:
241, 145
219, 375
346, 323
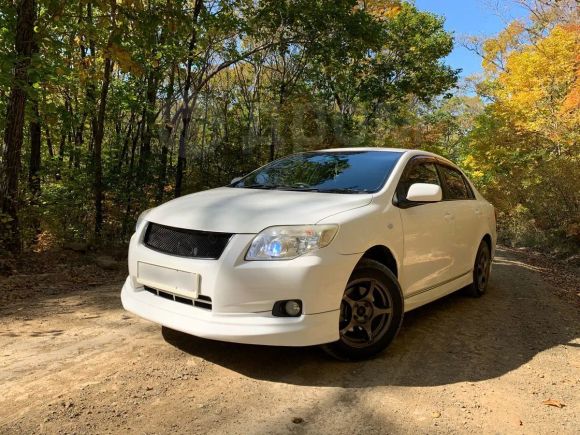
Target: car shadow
454, 339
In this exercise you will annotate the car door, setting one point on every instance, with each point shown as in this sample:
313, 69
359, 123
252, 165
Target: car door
427, 229
461, 203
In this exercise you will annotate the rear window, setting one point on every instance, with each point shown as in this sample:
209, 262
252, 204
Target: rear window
456, 185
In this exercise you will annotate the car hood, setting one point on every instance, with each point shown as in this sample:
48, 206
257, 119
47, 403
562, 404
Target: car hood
237, 210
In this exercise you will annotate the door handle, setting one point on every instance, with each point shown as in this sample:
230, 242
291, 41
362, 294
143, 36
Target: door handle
477, 211
449, 216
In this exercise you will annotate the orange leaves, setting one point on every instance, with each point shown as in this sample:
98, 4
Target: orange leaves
572, 101
393, 10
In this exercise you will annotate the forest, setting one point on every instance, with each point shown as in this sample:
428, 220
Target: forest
110, 107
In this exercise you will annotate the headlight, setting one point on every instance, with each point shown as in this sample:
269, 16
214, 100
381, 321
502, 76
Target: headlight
141, 218
288, 242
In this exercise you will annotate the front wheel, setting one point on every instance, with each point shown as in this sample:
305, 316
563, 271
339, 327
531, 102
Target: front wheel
371, 313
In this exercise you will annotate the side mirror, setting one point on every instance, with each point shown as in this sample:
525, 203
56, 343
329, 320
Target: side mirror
424, 192
235, 180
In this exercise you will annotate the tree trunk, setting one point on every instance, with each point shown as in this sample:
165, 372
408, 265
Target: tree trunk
97, 148
49, 145
276, 121
181, 156
165, 137
63, 136
187, 103
99, 128
129, 186
149, 116
13, 133
47, 133
128, 135
91, 88
34, 168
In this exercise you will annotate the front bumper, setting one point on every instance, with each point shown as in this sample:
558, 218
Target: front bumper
258, 328
243, 294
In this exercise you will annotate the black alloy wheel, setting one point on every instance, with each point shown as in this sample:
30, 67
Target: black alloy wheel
481, 271
371, 312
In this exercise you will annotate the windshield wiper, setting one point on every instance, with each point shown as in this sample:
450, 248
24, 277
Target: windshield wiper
297, 188
342, 190
276, 187
258, 186
317, 189
301, 189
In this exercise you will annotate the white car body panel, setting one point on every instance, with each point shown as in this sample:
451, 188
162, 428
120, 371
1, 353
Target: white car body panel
249, 211
434, 247
428, 249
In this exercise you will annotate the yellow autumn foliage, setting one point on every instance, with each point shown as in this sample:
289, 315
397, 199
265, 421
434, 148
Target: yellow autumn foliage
383, 9
538, 90
496, 48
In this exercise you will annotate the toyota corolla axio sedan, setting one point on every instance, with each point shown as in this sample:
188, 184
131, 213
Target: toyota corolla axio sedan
319, 248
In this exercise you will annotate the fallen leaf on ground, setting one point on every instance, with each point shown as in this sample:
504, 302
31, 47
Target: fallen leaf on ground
555, 403
435, 414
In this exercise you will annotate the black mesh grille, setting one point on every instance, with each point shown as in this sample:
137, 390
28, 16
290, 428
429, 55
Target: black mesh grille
185, 243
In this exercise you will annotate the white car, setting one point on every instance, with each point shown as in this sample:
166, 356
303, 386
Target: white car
329, 247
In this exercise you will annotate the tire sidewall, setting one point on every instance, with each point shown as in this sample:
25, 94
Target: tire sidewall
374, 270
475, 286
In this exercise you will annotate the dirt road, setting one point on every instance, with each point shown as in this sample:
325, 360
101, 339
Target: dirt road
78, 363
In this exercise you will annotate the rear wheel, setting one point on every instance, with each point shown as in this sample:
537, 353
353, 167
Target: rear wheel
481, 271
371, 313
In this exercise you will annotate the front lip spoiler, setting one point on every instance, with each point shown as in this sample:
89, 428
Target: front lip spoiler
246, 328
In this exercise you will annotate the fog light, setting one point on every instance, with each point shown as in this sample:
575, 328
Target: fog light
290, 308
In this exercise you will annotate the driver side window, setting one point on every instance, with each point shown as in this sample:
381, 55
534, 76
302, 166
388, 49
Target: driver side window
422, 171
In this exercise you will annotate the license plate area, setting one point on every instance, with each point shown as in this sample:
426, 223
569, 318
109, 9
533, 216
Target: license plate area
174, 281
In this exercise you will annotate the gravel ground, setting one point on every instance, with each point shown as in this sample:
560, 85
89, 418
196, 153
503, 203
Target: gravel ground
77, 363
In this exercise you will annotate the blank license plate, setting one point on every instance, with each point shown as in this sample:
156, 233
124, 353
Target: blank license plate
174, 281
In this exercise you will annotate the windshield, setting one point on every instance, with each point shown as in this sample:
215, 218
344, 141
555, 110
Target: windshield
331, 172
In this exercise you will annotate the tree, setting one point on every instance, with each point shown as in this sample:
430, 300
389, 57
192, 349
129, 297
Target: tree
402, 64
524, 149
14, 130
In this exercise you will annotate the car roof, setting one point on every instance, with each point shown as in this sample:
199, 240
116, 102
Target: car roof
410, 152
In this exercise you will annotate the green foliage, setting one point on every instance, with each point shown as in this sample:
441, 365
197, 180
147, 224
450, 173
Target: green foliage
535, 192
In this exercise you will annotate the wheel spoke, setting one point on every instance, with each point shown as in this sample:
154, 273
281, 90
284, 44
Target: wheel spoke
350, 301
380, 312
369, 295
350, 325
368, 329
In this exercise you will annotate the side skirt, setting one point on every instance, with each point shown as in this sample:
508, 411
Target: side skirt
429, 294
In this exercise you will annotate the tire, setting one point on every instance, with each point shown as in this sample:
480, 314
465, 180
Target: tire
481, 271
371, 313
